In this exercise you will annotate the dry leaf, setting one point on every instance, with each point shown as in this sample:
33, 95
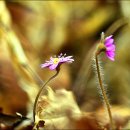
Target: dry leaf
53, 108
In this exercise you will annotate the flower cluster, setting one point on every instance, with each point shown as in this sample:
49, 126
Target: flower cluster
110, 47
55, 62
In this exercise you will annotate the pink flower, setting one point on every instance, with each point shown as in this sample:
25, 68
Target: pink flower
110, 47
55, 62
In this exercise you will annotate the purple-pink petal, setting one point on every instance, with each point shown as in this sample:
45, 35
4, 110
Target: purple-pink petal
53, 66
110, 48
109, 42
110, 55
66, 59
45, 65
109, 37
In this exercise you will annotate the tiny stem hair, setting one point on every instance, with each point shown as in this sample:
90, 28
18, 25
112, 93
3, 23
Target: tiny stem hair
105, 98
40, 91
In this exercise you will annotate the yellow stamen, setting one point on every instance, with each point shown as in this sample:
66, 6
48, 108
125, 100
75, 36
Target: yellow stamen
56, 60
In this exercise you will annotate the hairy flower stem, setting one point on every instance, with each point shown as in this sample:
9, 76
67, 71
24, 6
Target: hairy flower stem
104, 93
39, 93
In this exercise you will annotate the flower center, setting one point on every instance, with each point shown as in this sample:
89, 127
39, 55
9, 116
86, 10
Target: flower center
56, 60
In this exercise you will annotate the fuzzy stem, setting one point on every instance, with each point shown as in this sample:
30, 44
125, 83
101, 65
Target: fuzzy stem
104, 93
39, 93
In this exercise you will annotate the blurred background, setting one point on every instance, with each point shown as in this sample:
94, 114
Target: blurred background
32, 31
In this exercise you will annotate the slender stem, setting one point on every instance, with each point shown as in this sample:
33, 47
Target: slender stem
104, 93
39, 93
